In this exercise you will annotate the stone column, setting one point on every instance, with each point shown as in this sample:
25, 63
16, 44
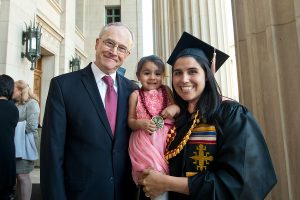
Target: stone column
267, 37
205, 19
67, 47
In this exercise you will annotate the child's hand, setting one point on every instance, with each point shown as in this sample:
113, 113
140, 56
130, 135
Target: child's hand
170, 111
148, 125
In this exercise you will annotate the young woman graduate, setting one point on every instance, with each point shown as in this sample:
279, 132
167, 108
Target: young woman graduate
216, 150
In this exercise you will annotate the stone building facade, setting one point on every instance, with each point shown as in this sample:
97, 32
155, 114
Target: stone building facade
69, 29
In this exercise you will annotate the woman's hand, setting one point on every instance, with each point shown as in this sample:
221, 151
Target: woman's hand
155, 183
152, 182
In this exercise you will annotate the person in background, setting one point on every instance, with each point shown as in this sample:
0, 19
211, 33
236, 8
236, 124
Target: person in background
151, 113
9, 117
26, 142
85, 135
216, 149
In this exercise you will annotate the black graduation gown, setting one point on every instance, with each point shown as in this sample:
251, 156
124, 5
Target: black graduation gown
241, 167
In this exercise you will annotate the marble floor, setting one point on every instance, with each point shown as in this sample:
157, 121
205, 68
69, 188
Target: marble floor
35, 175
35, 178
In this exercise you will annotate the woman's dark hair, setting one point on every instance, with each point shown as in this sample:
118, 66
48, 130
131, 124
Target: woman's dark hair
152, 58
6, 86
208, 103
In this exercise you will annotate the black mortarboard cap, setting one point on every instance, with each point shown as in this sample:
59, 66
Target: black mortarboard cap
190, 45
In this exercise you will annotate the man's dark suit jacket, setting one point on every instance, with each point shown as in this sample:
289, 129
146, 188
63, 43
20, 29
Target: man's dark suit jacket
80, 158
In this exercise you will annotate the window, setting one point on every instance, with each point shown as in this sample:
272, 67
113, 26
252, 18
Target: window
113, 14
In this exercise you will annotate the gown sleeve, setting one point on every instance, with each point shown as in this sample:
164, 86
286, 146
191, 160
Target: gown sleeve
242, 167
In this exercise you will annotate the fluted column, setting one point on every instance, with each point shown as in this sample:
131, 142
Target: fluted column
161, 33
205, 19
268, 59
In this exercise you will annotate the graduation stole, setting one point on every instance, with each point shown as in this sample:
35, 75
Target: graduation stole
171, 136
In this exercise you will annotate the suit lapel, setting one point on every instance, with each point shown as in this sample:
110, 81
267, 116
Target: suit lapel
122, 103
90, 84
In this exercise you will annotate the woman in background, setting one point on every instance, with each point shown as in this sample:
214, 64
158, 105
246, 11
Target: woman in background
9, 116
29, 110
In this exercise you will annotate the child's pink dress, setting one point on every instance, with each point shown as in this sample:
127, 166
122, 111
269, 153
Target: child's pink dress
145, 150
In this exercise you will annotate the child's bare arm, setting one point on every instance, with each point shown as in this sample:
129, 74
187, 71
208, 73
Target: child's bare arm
172, 110
135, 123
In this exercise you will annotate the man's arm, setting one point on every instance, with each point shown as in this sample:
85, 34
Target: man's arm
52, 145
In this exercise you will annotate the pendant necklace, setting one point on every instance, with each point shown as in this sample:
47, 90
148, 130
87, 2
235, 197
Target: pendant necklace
158, 120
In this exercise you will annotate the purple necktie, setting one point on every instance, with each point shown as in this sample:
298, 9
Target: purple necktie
111, 101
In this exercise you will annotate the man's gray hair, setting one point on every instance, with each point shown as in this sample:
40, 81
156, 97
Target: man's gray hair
115, 24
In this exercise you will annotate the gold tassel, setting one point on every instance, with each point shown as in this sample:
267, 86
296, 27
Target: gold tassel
213, 62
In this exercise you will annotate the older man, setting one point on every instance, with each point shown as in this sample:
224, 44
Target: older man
85, 135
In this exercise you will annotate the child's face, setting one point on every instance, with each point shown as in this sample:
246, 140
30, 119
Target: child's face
150, 76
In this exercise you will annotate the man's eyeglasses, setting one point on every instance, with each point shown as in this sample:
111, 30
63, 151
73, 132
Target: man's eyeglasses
112, 44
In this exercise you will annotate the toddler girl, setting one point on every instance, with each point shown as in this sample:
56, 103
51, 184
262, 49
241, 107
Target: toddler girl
151, 112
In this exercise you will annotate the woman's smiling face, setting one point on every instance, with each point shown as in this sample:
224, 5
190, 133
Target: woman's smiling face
188, 80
